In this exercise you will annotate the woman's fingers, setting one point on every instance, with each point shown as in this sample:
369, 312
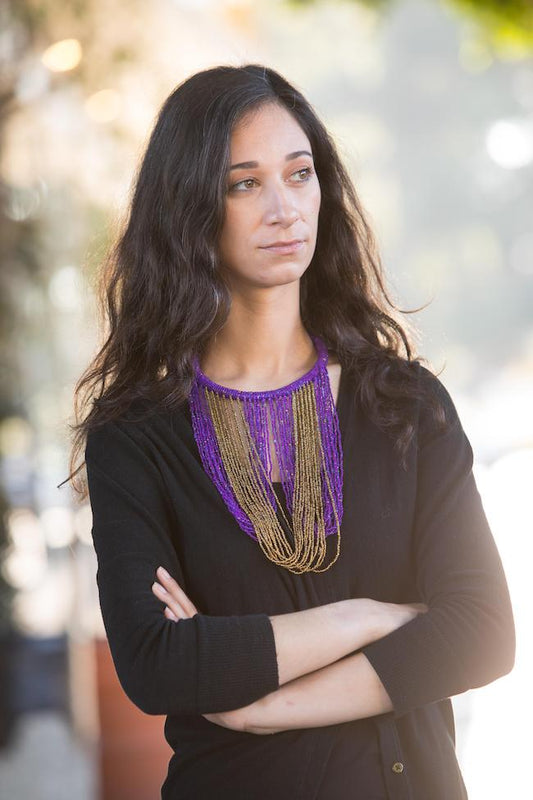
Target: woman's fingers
174, 590
171, 603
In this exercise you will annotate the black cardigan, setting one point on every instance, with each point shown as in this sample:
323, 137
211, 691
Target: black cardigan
415, 535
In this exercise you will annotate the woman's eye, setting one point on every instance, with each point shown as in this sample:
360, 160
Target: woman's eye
307, 170
241, 183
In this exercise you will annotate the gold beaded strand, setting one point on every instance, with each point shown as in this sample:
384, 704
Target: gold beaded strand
243, 467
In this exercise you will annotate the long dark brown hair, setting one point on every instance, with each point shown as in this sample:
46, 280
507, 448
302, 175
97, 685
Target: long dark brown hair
163, 296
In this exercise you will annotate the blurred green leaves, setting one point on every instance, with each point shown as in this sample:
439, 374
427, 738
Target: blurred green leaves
506, 26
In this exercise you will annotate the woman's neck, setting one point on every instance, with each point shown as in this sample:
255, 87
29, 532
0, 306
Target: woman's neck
255, 360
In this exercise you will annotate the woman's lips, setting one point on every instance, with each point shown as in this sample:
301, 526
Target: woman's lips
284, 249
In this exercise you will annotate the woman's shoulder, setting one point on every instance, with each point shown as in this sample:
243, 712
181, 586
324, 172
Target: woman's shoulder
436, 411
414, 393
141, 423
422, 382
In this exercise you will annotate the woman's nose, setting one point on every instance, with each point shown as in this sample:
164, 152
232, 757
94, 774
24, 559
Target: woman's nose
280, 206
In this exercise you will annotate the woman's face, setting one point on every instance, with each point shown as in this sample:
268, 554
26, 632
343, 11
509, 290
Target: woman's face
273, 195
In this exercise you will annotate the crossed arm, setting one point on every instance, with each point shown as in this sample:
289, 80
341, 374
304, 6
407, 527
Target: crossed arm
326, 662
347, 689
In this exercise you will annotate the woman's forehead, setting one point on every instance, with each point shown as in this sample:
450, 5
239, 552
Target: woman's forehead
268, 133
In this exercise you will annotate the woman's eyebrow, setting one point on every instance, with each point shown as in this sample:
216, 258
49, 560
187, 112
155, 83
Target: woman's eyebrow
252, 164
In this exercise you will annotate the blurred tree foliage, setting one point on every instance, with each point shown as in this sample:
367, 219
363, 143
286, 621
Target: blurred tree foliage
507, 24
27, 26
504, 25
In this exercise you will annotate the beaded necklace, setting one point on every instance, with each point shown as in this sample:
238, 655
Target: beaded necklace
231, 428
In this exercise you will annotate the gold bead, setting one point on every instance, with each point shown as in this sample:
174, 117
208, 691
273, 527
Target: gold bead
244, 467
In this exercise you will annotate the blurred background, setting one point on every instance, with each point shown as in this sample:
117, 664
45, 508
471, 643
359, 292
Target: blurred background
431, 105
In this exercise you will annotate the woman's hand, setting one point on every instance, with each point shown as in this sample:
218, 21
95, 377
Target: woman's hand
234, 720
394, 615
237, 720
178, 605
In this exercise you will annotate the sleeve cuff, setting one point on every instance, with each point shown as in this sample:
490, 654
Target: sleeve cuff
244, 649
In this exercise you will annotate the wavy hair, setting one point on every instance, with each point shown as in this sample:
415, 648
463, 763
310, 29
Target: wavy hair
163, 296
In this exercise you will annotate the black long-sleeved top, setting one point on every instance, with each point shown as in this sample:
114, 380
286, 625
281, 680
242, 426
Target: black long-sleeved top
415, 535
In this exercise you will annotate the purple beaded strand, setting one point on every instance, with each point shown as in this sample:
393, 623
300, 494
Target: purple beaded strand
278, 404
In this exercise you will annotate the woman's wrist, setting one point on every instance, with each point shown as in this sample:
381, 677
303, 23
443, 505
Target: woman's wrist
255, 717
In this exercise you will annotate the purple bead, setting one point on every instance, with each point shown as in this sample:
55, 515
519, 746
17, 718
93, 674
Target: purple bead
278, 404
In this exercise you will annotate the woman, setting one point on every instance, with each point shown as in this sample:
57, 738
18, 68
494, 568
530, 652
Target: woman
289, 536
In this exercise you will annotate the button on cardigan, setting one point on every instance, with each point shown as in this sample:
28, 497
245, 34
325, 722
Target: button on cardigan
408, 535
